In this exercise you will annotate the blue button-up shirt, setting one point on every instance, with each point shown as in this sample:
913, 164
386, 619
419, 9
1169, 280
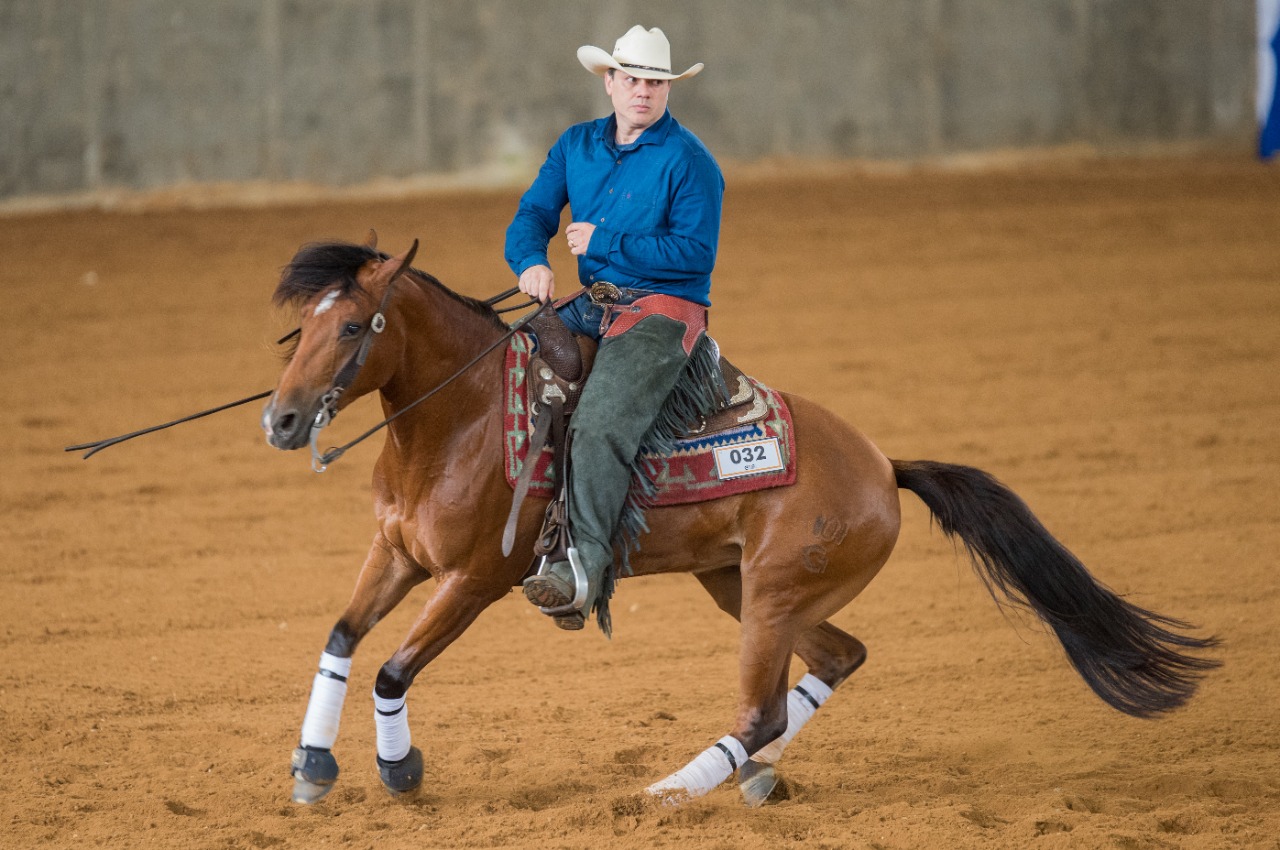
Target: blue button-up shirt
655, 204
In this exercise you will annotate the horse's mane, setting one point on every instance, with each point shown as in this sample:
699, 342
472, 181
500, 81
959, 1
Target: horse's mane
320, 265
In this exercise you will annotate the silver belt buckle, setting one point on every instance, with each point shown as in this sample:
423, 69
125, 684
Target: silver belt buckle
604, 294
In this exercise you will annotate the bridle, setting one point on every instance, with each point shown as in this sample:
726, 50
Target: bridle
344, 378
350, 370
347, 374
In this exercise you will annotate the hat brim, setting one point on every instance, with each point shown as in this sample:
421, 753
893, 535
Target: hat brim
599, 62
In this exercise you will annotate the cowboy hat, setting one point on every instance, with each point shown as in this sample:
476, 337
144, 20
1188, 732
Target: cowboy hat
645, 54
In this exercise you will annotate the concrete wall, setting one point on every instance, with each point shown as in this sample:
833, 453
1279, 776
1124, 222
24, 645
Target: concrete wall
98, 94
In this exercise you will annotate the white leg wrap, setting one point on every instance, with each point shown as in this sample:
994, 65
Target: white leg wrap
324, 709
712, 766
802, 702
391, 717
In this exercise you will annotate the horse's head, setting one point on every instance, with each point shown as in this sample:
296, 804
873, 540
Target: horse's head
344, 348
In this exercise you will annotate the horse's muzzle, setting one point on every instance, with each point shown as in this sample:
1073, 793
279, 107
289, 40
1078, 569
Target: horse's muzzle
286, 426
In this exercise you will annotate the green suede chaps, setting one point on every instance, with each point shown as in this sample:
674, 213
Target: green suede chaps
634, 373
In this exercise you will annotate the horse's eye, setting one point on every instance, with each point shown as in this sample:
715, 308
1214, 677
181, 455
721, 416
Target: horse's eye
350, 329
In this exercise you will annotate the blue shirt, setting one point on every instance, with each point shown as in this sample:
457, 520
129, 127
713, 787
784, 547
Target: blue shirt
655, 204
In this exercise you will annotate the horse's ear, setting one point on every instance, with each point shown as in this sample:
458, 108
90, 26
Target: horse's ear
396, 266
392, 268
371, 241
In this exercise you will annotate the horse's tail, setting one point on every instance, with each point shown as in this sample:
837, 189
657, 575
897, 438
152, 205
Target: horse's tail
1129, 656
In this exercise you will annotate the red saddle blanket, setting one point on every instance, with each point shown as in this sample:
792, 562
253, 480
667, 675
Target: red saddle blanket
750, 457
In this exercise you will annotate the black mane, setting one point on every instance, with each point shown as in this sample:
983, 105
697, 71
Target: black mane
321, 265
318, 266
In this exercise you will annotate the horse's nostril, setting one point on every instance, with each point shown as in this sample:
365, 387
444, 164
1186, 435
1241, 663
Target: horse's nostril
285, 423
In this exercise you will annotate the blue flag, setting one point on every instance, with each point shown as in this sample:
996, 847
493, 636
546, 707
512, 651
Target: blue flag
1268, 82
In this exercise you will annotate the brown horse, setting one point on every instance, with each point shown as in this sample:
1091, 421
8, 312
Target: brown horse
371, 323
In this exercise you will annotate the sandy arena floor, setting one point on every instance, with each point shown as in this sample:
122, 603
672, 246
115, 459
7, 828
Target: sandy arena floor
1104, 337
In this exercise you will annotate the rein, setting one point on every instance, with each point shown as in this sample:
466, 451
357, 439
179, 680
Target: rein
98, 445
320, 462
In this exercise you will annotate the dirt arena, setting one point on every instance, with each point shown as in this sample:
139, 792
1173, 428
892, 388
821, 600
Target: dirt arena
1103, 336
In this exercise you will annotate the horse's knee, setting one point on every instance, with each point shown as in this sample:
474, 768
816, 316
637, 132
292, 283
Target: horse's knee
342, 640
392, 682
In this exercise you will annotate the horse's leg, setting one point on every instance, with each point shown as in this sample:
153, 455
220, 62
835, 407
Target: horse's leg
454, 606
384, 580
767, 643
829, 653
831, 656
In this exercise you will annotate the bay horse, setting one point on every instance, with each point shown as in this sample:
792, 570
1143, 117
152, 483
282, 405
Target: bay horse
441, 500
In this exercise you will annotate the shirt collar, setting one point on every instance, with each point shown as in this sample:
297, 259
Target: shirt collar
607, 131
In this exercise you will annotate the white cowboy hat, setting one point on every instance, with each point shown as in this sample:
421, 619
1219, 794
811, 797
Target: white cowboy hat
645, 54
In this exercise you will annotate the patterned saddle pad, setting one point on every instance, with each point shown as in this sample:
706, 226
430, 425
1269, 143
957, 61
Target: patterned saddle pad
736, 459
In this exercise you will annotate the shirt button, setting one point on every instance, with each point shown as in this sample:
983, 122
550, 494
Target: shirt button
602, 221
610, 191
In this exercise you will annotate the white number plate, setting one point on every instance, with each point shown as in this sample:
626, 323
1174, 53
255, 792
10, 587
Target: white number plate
748, 458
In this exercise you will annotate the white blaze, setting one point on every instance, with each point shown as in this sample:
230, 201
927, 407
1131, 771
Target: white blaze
326, 302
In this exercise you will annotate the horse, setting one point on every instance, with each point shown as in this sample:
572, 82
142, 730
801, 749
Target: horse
371, 323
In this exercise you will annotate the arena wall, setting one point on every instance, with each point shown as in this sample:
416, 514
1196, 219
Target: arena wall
144, 94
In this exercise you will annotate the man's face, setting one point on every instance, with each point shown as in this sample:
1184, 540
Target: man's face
637, 103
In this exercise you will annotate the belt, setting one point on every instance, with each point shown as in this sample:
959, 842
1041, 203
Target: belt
604, 294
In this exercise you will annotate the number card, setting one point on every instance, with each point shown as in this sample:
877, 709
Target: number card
748, 458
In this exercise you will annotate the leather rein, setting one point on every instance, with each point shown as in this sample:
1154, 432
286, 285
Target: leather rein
345, 377
328, 402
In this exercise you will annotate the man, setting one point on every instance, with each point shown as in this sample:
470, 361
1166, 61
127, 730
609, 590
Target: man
645, 198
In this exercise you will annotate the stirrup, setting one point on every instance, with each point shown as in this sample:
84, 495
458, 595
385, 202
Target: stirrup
581, 586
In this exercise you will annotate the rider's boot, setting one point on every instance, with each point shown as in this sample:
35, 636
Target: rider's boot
566, 590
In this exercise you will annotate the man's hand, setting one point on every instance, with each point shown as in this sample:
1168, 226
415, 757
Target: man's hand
578, 236
538, 282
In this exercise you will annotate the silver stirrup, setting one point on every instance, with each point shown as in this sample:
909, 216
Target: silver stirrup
580, 585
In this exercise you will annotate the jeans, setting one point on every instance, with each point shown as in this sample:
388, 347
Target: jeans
583, 316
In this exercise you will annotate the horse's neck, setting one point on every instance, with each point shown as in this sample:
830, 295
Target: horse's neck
442, 336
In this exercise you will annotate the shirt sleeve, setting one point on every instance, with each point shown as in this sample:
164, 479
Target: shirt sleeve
688, 248
538, 217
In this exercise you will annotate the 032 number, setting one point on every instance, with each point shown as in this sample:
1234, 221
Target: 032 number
751, 454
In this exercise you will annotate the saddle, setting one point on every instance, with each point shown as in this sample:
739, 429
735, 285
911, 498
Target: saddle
557, 373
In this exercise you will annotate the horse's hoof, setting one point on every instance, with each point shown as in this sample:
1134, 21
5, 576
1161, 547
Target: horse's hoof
314, 772
402, 776
306, 793
757, 782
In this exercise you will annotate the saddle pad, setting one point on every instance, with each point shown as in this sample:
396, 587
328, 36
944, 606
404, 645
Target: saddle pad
690, 474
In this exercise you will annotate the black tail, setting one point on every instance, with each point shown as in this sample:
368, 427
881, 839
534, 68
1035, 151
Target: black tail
1129, 656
